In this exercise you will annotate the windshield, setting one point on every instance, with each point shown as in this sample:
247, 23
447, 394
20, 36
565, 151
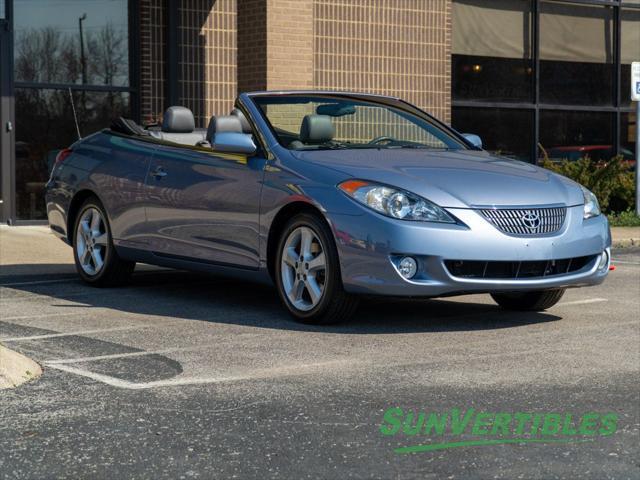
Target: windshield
322, 122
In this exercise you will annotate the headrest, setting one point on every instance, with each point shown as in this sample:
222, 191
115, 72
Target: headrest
223, 124
246, 127
316, 129
178, 120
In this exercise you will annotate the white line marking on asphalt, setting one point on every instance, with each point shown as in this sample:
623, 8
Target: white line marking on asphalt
126, 355
38, 282
615, 262
71, 334
256, 374
582, 302
25, 317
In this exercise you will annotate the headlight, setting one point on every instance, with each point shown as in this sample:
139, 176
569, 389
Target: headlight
394, 202
591, 206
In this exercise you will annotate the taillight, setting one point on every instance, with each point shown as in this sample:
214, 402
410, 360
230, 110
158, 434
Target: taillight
62, 155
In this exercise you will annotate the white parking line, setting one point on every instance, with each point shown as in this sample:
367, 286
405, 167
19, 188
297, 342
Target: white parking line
254, 375
582, 302
71, 334
615, 262
26, 317
126, 355
37, 282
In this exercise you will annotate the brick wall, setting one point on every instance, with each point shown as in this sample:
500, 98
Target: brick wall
207, 58
152, 59
252, 45
393, 47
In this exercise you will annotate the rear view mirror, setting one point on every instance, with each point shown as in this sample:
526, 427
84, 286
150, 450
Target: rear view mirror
473, 139
234, 143
335, 109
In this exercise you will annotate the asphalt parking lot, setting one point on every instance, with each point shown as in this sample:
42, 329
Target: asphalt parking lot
188, 376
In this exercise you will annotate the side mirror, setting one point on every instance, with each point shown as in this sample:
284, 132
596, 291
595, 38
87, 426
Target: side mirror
234, 143
473, 139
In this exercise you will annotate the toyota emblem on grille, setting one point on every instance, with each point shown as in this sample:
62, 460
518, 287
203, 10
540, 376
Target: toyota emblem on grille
531, 220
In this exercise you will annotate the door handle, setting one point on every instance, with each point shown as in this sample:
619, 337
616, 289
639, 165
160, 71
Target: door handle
158, 173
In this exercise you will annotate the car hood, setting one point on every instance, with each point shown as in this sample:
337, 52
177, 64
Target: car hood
454, 179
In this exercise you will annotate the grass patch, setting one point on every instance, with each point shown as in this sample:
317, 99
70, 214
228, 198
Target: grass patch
624, 219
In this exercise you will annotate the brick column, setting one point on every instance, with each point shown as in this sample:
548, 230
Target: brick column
275, 44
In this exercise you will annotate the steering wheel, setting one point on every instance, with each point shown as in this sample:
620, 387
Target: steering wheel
380, 139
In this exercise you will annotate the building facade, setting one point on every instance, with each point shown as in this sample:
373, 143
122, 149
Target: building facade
529, 76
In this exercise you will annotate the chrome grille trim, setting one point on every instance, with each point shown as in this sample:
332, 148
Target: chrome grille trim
526, 221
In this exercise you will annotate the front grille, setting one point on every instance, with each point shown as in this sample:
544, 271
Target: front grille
514, 270
526, 221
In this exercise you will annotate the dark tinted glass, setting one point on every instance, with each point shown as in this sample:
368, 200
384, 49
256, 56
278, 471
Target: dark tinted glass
45, 125
573, 135
629, 50
576, 54
492, 50
504, 131
628, 135
71, 41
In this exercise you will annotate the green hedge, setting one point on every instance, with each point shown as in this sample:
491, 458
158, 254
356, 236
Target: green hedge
612, 182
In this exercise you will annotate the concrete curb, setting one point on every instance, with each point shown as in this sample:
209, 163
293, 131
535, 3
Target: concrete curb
626, 242
622, 237
16, 369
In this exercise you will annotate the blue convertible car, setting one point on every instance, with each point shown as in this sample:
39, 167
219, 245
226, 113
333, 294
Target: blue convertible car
331, 196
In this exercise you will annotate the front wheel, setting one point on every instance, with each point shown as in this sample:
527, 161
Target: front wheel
308, 273
529, 301
97, 261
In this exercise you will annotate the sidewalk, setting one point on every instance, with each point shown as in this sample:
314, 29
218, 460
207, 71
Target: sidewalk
625, 237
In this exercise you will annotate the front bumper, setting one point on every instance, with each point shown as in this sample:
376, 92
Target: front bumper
367, 244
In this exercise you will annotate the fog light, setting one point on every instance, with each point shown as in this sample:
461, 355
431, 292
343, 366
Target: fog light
604, 260
407, 267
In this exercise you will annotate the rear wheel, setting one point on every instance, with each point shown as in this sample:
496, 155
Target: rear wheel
529, 301
97, 261
308, 273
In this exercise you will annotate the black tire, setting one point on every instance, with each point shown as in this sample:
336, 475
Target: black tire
335, 305
529, 301
114, 271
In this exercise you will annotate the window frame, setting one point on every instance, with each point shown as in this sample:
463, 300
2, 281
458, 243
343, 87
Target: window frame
134, 68
617, 108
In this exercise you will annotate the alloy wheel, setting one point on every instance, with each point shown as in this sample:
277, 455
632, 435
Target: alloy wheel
303, 268
91, 241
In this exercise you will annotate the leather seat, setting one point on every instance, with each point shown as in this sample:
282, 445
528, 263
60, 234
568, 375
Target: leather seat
223, 124
179, 126
316, 129
246, 126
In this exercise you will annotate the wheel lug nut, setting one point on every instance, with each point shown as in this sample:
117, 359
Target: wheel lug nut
306, 265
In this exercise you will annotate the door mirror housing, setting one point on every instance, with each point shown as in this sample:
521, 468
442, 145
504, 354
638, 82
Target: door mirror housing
234, 143
473, 139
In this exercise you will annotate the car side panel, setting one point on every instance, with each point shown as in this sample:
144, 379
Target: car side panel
114, 169
205, 206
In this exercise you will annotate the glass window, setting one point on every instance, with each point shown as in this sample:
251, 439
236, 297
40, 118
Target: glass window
492, 50
576, 54
628, 135
2, 10
629, 50
573, 135
330, 122
504, 131
44, 126
73, 41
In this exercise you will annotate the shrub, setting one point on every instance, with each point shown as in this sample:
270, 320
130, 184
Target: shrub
624, 219
612, 182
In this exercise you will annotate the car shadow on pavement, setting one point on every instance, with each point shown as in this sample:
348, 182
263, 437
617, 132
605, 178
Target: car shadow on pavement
192, 296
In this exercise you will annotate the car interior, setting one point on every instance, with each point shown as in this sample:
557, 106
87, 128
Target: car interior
179, 126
